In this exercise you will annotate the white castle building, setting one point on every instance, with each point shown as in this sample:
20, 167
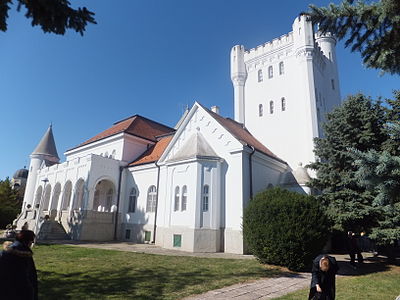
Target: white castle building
186, 187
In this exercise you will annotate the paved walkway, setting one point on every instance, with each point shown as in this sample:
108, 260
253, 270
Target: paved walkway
261, 289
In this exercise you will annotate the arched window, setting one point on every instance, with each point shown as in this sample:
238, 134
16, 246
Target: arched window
260, 76
260, 110
132, 200
176, 202
205, 198
38, 195
96, 200
79, 193
281, 68
184, 198
109, 198
151, 199
270, 72
67, 195
271, 107
46, 200
283, 104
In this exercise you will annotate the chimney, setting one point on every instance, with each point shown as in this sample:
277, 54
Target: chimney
215, 109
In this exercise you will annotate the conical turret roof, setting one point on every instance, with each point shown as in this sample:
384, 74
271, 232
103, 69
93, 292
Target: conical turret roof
47, 146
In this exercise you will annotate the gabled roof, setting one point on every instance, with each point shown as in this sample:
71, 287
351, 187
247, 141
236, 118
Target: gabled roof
153, 153
241, 134
195, 147
47, 146
136, 125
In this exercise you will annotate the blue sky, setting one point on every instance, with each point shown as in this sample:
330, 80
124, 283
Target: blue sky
147, 57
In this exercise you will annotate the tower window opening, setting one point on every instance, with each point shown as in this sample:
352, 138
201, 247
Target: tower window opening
283, 103
333, 84
270, 72
260, 110
281, 68
271, 107
260, 76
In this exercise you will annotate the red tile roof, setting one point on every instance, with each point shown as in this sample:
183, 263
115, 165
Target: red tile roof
154, 152
242, 134
136, 125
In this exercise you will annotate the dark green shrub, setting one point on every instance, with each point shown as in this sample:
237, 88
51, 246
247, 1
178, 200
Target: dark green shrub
285, 228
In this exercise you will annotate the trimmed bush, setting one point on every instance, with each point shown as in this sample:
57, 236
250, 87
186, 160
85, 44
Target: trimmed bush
285, 228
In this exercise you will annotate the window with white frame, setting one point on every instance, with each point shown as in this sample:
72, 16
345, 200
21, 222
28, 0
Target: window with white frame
260, 75
270, 72
151, 199
176, 202
281, 68
260, 110
205, 197
271, 107
283, 104
132, 200
184, 198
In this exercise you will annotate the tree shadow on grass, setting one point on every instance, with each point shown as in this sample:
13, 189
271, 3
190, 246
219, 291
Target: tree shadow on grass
370, 265
126, 283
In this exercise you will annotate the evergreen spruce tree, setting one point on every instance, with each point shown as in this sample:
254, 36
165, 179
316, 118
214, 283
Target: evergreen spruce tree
53, 16
372, 28
359, 124
379, 172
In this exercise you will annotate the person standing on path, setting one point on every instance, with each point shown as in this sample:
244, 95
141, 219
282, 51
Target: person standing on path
18, 277
353, 249
323, 286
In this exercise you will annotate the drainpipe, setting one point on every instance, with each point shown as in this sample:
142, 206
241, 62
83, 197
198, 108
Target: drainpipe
253, 150
155, 213
118, 196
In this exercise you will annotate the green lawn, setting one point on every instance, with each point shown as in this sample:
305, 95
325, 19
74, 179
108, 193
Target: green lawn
67, 272
383, 285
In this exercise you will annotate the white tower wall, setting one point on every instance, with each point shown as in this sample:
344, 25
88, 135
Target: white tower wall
36, 161
301, 71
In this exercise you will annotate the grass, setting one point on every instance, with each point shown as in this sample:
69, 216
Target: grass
374, 286
67, 272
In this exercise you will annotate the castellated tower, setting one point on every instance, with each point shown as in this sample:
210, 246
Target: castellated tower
284, 88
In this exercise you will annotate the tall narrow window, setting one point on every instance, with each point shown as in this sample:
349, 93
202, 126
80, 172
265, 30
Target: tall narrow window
260, 76
205, 197
333, 84
283, 103
260, 110
270, 72
271, 107
132, 200
151, 199
184, 198
281, 68
176, 202
109, 197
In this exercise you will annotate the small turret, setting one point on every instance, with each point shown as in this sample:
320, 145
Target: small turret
327, 43
238, 76
44, 153
303, 34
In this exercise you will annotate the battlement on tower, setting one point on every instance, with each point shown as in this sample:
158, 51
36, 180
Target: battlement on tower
276, 44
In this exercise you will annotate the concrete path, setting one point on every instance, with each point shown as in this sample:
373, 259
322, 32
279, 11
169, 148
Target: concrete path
269, 288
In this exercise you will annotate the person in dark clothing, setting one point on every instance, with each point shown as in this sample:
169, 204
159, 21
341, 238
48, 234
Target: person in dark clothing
353, 249
18, 277
324, 270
